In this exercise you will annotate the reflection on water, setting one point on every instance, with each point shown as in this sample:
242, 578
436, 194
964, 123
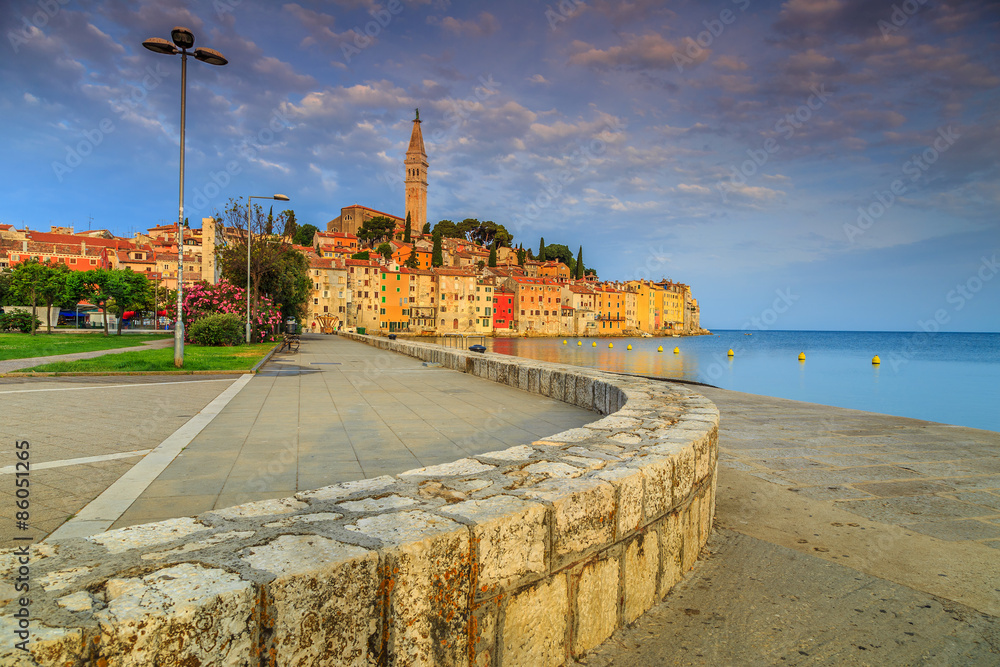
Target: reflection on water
950, 378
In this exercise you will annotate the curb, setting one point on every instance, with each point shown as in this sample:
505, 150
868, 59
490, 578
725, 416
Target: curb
264, 360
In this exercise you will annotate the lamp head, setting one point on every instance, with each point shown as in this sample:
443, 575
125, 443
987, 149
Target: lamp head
281, 197
183, 38
157, 45
210, 56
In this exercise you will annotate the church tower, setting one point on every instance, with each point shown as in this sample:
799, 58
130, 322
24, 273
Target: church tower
416, 178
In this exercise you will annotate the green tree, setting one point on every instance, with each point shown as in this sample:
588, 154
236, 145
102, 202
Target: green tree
291, 225
541, 250
590, 272
5, 287
493, 256
467, 227
437, 255
559, 252
54, 288
27, 283
384, 249
125, 290
269, 225
304, 235
521, 256
579, 264
408, 234
448, 230
411, 261
374, 230
98, 280
426, 229
361, 255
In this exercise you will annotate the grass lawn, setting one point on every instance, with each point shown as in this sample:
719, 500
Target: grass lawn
23, 346
196, 358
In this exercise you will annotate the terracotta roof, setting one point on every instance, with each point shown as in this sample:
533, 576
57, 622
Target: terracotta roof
47, 237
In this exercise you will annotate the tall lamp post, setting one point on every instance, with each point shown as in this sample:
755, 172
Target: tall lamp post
277, 198
183, 39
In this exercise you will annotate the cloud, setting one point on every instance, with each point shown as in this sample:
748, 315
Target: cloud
538, 78
482, 26
639, 52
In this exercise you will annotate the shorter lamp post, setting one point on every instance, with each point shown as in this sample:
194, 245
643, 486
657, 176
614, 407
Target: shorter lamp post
276, 198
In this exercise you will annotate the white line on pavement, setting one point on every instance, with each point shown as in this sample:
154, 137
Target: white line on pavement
112, 386
75, 462
108, 507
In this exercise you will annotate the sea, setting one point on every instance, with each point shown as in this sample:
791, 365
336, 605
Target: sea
952, 378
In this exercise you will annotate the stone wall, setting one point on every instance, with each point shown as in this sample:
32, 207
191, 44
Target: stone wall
524, 556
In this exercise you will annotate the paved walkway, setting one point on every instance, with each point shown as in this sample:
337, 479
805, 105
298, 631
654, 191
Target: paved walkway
842, 537
12, 365
335, 411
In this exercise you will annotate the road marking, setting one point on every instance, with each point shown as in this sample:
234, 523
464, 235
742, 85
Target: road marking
105, 509
80, 461
112, 386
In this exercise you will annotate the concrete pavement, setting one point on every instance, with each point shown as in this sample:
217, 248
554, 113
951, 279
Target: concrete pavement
842, 537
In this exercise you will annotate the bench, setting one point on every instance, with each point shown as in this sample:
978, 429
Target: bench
291, 342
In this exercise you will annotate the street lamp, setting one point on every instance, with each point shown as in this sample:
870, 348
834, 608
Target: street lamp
183, 39
275, 197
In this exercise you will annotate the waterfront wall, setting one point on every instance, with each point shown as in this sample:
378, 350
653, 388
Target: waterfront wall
525, 556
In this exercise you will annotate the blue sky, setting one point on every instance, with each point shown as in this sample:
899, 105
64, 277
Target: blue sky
839, 156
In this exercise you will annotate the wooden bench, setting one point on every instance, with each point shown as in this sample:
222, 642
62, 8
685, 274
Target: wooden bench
291, 342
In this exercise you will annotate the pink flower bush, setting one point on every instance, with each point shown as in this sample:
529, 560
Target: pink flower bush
204, 299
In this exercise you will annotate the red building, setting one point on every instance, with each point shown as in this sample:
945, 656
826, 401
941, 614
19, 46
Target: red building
503, 309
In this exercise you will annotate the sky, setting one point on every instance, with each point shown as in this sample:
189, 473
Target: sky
808, 164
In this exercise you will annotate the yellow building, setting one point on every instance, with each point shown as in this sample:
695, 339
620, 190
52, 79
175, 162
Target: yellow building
394, 294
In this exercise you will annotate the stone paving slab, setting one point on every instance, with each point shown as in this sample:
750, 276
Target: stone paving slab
338, 411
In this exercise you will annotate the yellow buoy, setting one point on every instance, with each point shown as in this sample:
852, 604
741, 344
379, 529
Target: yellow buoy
677, 350
629, 347
659, 349
564, 342
579, 343
594, 344
876, 361
611, 344
802, 356
730, 353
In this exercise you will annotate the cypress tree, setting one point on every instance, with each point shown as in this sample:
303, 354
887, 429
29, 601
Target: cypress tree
437, 256
541, 250
579, 264
493, 256
407, 235
521, 255
426, 229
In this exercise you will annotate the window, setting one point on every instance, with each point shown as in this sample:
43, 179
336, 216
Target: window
315, 302
326, 309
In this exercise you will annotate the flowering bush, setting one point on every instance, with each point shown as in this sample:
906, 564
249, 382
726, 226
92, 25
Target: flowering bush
204, 299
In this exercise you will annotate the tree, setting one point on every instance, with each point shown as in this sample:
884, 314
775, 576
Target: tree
467, 227
579, 264
304, 235
407, 235
54, 288
437, 255
27, 283
269, 225
448, 230
361, 255
426, 229
277, 270
559, 252
5, 287
291, 226
411, 261
98, 279
590, 272
126, 290
374, 230
493, 256
384, 249
521, 256
541, 250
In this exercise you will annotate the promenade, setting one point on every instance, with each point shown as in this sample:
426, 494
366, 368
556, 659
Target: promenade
335, 411
841, 537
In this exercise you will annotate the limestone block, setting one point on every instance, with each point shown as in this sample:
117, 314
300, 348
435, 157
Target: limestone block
683, 474
483, 634
533, 381
545, 382
583, 514
522, 377
326, 599
602, 451
629, 486
185, 614
616, 423
510, 538
705, 519
304, 518
46, 646
584, 392
658, 471
690, 524
517, 453
428, 576
590, 463
601, 396
535, 624
642, 562
370, 505
595, 605
345, 489
259, 508
147, 534
79, 601
626, 438
671, 552
205, 543
571, 435
453, 469
62, 579
553, 469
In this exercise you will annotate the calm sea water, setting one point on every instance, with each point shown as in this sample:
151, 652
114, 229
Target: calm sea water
952, 378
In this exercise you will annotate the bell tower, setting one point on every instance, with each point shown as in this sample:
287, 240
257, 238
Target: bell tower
416, 177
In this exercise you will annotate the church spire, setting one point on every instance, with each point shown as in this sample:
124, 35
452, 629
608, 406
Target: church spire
416, 176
